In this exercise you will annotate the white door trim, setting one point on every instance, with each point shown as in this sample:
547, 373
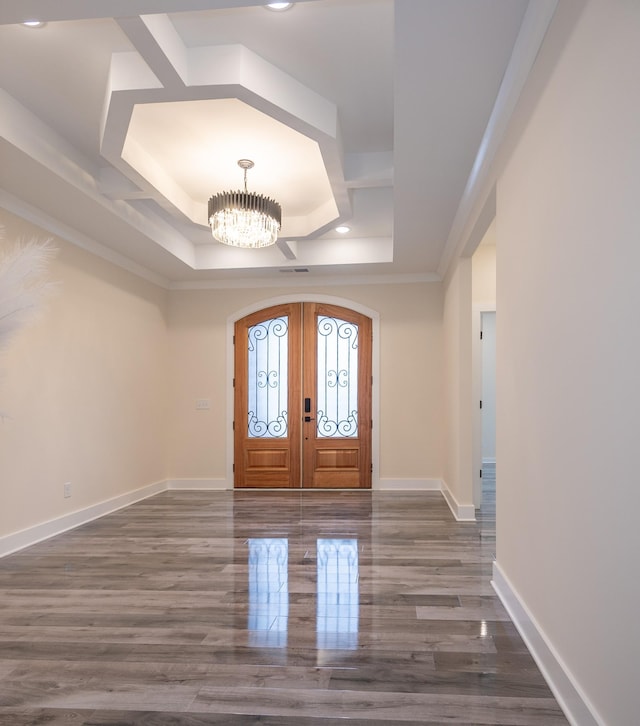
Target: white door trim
476, 357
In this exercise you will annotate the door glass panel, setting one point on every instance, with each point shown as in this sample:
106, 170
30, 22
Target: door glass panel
337, 385
267, 378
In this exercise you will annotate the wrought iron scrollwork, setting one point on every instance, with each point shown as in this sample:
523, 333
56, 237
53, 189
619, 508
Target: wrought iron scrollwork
276, 428
267, 385
337, 414
344, 428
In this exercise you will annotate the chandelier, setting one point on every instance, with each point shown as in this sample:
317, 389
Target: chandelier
244, 219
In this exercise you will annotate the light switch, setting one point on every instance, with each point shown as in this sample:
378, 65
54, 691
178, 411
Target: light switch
203, 404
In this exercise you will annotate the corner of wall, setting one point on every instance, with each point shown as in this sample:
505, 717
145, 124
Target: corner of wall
462, 512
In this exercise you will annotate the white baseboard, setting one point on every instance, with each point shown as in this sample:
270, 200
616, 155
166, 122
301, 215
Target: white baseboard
199, 484
576, 706
39, 532
413, 485
462, 512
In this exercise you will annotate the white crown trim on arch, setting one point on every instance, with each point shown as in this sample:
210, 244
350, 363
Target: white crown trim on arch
375, 365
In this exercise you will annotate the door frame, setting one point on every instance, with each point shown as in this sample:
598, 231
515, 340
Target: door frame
375, 369
476, 363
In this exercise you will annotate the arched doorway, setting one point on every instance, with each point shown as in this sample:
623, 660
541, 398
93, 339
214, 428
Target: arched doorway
302, 397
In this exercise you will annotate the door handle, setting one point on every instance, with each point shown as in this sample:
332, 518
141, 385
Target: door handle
308, 418
307, 405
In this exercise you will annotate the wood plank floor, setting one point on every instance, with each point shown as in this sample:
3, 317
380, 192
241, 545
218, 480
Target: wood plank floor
279, 608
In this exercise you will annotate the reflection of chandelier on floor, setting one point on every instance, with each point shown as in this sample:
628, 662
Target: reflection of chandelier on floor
244, 219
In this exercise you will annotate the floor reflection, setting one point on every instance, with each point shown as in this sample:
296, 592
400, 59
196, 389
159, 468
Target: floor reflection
337, 595
337, 592
268, 592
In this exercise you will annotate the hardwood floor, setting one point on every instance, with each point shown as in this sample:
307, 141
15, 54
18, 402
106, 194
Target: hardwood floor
270, 607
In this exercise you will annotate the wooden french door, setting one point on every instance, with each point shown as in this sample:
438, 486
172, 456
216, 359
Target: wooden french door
303, 398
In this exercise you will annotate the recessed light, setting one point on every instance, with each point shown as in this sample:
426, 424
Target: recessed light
278, 6
343, 229
33, 23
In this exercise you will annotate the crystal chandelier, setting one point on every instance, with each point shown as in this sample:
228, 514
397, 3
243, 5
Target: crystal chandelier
244, 219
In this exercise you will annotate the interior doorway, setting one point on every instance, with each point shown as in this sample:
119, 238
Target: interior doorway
302, 397
483, 355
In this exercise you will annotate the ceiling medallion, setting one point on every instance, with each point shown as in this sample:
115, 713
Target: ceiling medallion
244, 219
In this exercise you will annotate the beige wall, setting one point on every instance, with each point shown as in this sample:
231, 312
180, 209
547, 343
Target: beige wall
569, 354
85, 388
410, 367
483, 262
458, 419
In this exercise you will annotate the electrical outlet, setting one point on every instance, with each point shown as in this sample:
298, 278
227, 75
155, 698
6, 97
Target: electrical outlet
67, 489
203, 404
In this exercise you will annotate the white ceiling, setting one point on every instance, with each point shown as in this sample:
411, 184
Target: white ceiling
116, 129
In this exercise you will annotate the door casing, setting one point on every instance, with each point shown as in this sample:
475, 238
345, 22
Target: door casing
375, 369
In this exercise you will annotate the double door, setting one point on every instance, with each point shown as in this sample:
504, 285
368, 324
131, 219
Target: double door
303, 398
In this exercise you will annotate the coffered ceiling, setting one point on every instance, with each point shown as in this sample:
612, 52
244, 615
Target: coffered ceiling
119, 119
